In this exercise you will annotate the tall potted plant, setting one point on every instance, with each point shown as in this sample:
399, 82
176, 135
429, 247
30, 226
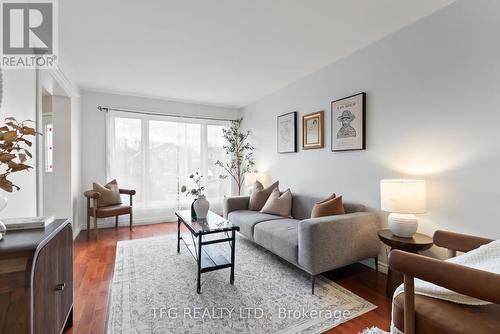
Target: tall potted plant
13, 155
241, 154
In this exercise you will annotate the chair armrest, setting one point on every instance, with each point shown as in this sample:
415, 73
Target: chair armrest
235, 203
458, 242
467, 281
92, 194
327, 243
127, 191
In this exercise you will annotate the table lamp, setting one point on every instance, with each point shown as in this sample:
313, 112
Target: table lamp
403, 199
250, 179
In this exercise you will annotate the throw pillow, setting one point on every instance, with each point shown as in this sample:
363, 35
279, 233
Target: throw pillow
332, 196
259, 195
279, 203
110, 195
329, 207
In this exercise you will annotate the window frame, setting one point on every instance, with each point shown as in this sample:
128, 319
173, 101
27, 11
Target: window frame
144, 119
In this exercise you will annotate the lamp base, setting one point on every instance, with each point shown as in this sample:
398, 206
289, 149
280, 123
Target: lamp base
403, 225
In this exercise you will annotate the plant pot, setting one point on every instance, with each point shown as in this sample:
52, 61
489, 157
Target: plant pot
201, 206
193, 213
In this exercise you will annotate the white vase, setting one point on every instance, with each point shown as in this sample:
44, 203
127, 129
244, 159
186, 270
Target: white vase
3, 204
201, 206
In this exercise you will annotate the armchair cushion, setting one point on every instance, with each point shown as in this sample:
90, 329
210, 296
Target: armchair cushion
439, 316
110, 195
111, 211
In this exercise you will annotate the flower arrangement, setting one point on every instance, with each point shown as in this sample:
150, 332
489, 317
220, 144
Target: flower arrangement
14, 150
198, 189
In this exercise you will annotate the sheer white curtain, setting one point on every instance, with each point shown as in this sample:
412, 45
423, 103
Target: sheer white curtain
155, 155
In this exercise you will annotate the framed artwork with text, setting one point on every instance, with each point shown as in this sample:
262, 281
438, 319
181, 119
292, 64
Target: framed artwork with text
348, 123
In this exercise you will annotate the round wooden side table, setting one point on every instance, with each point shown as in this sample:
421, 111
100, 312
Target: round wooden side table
418, 243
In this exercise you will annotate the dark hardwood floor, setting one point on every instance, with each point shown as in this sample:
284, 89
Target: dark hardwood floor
93, 271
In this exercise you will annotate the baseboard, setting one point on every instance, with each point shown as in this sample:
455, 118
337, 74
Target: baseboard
108, 223
382, 267
76, 231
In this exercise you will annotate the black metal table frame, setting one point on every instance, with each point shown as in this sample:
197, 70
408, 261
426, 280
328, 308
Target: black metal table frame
199, 250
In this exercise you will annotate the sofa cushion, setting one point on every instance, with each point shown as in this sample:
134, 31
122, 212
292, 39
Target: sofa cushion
247, 219
279, 203
280, 237
259, 195
303, 204
328, 207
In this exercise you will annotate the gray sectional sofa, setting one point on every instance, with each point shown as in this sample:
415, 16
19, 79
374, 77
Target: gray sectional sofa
315, 245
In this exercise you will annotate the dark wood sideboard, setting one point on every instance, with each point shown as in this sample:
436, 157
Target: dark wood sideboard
36, 280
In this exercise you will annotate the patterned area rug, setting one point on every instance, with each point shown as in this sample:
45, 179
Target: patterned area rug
154, 291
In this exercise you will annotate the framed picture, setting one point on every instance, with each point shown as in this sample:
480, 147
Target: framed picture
312, 130
287, 133
348, 123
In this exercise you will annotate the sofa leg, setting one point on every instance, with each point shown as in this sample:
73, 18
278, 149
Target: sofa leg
116, 221
313, 280
376, 263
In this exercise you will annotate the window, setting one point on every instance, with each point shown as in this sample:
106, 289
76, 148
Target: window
155, 155
49, 148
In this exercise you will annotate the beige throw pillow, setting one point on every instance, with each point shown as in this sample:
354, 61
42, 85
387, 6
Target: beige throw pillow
279, 204
259, 195
328, 207
110, 195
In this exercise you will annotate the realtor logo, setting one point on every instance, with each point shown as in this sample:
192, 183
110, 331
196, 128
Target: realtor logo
28, 34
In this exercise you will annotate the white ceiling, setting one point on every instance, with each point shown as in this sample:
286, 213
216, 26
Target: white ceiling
220, 52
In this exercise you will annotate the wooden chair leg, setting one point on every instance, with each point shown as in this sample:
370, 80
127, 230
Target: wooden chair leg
409, 310
131, 221
116, 221
88, 223
95, 227
95, 218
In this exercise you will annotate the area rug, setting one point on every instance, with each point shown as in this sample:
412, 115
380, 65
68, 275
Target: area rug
154, 291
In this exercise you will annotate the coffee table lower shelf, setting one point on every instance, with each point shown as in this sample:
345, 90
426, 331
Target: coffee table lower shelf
211, 259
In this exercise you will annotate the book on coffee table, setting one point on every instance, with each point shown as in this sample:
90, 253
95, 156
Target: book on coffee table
13, 224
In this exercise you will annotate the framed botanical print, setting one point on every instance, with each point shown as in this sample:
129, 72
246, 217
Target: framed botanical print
312, 130
348, 123
287, 133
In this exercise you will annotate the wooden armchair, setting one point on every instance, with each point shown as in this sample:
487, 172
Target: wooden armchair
107, 211
421, 314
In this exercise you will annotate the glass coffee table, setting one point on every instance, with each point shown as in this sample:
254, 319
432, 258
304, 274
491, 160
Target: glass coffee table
208, 257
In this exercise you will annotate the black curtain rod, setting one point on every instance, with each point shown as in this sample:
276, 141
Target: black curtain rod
155, 113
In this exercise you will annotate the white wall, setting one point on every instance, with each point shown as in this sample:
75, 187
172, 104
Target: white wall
64, 196
433, 93
94, 127
77, 202
19, 101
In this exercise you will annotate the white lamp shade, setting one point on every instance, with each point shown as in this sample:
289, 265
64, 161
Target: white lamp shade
250, 179
403, 196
